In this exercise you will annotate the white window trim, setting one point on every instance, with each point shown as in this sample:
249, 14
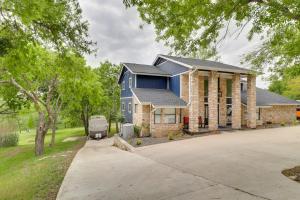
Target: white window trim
130, 82
123, 107
129, 107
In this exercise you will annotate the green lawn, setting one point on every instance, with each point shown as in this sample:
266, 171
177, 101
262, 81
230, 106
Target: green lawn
25, 176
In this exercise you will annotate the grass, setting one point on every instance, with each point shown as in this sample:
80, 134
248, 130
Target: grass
25, 176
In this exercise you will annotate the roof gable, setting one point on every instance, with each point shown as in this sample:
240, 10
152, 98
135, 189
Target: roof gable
194, 63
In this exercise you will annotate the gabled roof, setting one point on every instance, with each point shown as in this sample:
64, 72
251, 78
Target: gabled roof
145, 69
158, 97
267, 98
203, 64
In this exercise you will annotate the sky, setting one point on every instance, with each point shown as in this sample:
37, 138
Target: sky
120, 39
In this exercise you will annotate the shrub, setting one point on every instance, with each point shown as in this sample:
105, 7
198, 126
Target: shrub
8, 140
171, 136
137, 130
138, 142
282, 123
295, 122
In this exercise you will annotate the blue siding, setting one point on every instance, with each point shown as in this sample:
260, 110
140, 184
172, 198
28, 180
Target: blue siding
127, 115
158, 82
175, 85
172, 68
127, 92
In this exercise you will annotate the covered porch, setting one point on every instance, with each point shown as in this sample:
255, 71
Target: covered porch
214, 99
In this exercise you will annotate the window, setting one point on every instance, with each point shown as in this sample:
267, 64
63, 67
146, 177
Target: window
157, 116
123, 107
229, 88
129, 107
169, 116
130, 82
206, 87
123, 85
135, 108
257, 113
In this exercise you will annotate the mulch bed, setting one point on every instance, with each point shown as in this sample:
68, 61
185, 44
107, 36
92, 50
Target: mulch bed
293, 173
145, 141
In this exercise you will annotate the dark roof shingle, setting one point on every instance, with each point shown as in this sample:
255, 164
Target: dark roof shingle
158, 97
145, 69
267, 98
211, 65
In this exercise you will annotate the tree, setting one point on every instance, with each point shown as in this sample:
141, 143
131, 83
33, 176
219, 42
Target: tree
108, 74
286, 82
27, 29
84, 97
194, 27
53, 24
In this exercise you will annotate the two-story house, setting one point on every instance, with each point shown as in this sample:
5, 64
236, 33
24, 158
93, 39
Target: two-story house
159, 96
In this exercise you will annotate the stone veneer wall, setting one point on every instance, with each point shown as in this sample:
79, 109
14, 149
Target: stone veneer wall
236, 102
213, 101
161, 129
274, 114
141, 117
251, 101
184, 94
194, 102
222, 104
201, 97
278, 114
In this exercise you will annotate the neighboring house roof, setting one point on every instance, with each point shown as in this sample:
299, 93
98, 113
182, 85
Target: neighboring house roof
158, 97
145, 69
267, 98
203, 64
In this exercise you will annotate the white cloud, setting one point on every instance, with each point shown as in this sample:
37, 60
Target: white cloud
119, 38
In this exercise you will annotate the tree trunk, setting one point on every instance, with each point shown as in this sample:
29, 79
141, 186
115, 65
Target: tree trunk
53, 132
85, 120
117, 126
109, 124
41, 132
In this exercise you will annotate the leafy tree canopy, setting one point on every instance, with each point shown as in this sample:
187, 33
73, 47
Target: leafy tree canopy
193, 27
55, 24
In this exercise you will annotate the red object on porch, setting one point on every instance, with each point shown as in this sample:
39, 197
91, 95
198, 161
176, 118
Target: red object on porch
185, 120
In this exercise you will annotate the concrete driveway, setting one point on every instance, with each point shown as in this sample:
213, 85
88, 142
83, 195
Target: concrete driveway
238, 165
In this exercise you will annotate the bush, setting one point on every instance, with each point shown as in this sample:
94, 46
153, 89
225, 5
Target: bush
138, 142
9, 140
171, 136
137, 130
282, 123
295, 122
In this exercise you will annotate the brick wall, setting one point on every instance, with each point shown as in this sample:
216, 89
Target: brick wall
278, 114
274, 114
141, 117
236, 101
184, 86
161, 129
213, 101
222, 104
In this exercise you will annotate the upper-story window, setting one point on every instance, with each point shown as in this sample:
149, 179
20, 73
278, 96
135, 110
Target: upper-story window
129, 107
123, 106
130, 82
123, 85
